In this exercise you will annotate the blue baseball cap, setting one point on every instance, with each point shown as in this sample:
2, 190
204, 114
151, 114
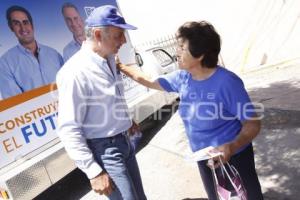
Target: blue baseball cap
107, 15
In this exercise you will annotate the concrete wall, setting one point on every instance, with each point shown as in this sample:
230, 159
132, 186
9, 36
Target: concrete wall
254, 32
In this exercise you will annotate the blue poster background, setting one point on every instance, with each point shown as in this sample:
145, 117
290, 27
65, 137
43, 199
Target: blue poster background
49, 25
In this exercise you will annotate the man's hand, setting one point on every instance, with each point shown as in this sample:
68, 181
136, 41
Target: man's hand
102, 184
117, 61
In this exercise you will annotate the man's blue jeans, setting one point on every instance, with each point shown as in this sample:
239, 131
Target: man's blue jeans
116, 156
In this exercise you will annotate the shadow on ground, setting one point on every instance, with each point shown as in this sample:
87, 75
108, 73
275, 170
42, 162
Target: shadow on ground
283, 95
277, 147
72, 186
154, 123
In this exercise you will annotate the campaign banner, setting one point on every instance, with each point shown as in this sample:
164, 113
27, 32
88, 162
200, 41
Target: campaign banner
29, 119
27, 122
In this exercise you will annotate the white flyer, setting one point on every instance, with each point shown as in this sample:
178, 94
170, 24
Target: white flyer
203, 154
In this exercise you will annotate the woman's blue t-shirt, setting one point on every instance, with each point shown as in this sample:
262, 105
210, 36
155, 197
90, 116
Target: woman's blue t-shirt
213, 109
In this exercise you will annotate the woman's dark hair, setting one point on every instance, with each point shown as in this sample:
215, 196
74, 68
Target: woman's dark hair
203, 40
17, 8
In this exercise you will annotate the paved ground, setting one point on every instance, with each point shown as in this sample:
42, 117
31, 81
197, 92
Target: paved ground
277, 147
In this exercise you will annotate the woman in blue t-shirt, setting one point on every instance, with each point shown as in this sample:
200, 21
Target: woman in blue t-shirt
214, 105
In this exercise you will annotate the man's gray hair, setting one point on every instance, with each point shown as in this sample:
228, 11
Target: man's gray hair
89, 31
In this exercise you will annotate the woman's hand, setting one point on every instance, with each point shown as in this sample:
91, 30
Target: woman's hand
227, 151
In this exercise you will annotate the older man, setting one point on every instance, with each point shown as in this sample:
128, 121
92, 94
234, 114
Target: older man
76, 26
93, 115
29, 64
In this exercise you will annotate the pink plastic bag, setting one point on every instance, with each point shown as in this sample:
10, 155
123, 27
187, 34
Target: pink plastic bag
238, 192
